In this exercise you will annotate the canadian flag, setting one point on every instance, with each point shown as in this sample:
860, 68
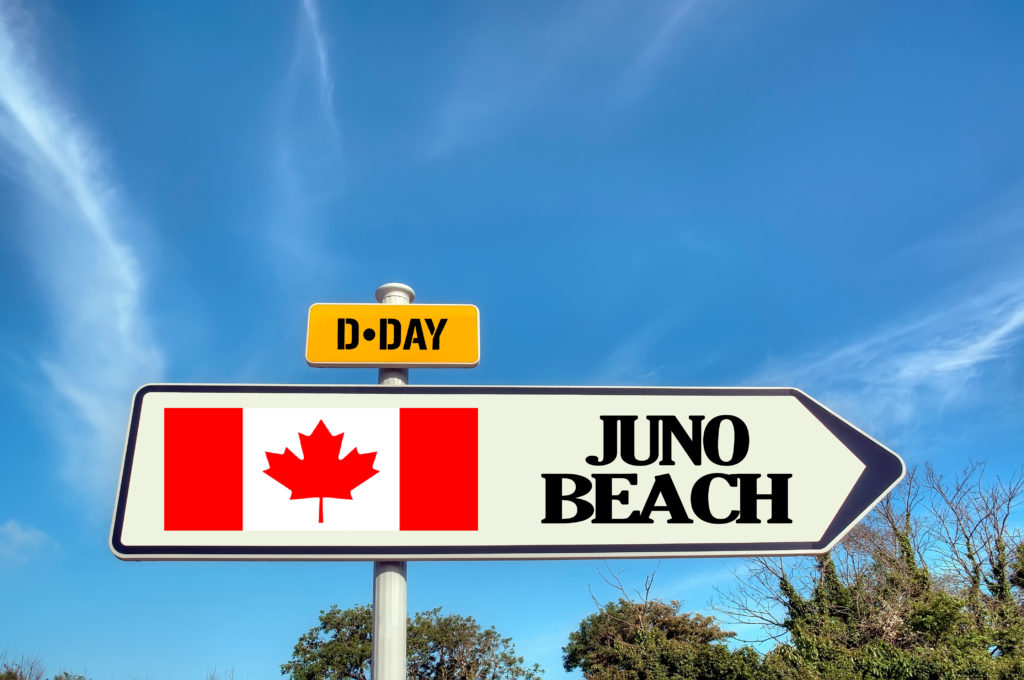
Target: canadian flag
349, 469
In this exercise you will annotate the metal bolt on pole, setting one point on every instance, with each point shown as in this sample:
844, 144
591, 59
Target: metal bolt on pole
389, 578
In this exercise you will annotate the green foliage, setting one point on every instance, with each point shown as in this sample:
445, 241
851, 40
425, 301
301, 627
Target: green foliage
30, 669
338, 648
22, 669
652, 640
452, 647
892, 618
440, 647
895, 623
874, 609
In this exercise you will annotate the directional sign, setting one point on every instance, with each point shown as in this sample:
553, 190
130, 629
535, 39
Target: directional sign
370, 472
439, 336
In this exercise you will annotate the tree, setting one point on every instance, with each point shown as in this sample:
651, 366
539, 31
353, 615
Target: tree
650, 639
25, 668
440, 647
339, 647
30, 669
453, 647
928, 586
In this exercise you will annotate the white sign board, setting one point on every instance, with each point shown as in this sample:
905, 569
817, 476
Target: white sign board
438, 472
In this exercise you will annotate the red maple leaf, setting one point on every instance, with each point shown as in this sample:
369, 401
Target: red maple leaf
319, 473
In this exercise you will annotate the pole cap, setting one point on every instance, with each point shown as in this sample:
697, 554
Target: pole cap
395, 294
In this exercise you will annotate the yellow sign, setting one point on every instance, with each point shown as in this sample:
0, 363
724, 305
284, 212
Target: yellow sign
440, 336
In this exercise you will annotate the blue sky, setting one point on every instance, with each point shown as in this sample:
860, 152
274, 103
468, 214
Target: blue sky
823, 195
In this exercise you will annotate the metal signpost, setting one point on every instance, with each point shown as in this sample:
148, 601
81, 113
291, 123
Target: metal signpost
390, 585
394, 472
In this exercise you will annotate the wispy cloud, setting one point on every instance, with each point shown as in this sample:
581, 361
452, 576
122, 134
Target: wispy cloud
317, 45
660, 43
18, 543
631, 360
989, 233
304, 127
505, 74
74, 227
928, 362
306, 161
657, 48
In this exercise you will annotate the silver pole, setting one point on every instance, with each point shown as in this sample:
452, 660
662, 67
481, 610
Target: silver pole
389, 578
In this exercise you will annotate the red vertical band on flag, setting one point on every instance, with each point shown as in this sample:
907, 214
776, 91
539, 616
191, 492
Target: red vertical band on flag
202, 469
438, 468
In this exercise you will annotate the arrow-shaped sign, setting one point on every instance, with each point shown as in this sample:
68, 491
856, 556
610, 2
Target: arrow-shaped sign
439, 472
